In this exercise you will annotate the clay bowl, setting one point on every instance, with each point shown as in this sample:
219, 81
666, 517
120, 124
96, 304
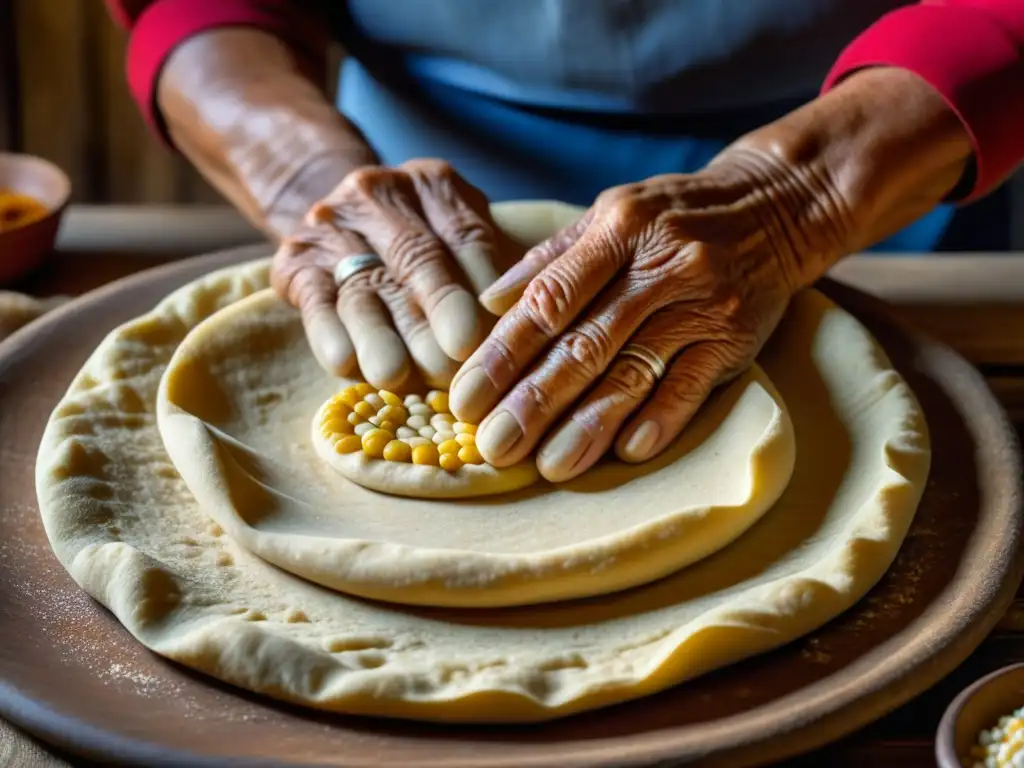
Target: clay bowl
24, 248
978, 706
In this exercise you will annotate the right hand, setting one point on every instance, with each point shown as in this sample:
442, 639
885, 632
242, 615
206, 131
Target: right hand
412, 319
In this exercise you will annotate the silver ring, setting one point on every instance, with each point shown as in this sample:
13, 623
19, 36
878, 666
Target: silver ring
646, 355
352, 265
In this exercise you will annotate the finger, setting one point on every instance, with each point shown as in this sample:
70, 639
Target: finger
389, 217
382, 355
692, 377
578, 358
588, 433
500, 297
300, 275
460, 215
435, 366
550, 303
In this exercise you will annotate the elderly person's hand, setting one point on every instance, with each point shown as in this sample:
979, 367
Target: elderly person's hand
616, 330
664, 290
438, 250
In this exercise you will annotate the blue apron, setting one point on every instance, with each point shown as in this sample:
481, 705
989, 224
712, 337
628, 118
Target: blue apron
517, 154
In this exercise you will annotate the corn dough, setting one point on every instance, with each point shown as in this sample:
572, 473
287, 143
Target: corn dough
234, 411
124, 524
331, 432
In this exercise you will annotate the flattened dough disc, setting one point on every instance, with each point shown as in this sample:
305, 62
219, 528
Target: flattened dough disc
75, 677
235, 407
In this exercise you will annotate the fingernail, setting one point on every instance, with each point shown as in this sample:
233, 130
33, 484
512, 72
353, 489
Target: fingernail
382, 358
456, 324
497, 435
642, 441
562, 453
471, 394
512, 282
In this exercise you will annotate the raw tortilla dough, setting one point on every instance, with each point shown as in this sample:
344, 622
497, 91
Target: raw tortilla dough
420, 481
124, 524
234, 411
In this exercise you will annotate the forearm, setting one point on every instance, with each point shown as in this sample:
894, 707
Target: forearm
859, 163
236, 102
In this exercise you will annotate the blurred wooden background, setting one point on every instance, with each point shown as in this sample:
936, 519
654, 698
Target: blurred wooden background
68, 86
75, 109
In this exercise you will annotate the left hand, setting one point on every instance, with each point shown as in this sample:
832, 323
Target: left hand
694, 270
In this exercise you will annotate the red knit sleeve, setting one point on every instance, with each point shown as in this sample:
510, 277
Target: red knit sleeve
972, 53
157, 27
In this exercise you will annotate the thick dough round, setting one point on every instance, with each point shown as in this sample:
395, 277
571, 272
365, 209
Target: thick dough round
420, 481
124, 524
234, 412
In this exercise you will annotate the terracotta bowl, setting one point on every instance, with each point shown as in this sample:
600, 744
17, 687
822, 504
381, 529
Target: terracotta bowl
978, 706
24, 248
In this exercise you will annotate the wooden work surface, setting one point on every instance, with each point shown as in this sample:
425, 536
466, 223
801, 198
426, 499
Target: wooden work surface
975, 303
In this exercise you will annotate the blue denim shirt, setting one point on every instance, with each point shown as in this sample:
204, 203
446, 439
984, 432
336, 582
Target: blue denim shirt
508, 90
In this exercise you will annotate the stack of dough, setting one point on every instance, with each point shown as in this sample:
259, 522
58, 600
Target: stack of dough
234, 507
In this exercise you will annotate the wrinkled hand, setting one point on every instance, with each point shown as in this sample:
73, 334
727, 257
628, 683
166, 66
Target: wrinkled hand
440, 249
698, 269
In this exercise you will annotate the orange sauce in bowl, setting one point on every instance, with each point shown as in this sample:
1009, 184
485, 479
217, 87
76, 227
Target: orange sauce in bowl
18, 210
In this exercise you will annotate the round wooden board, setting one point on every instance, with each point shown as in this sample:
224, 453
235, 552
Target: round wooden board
74, 677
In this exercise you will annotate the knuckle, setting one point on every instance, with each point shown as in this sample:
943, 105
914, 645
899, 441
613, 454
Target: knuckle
466, 230
588, 350
631, 379
546, 300
430, 166
535, 399
411, 250
305, 289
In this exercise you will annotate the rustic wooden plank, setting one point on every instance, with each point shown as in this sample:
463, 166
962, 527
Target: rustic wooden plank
10, 84
58, 91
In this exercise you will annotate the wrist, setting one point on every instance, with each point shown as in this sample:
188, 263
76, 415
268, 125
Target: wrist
239, 106
863, 160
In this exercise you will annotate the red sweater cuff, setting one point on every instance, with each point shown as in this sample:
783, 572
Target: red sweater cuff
971, 59
165, 24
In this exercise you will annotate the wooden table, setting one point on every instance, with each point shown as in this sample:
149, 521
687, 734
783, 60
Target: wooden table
974, 302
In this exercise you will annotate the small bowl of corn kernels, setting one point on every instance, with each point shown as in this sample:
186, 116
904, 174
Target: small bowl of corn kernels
33, 196
984, 725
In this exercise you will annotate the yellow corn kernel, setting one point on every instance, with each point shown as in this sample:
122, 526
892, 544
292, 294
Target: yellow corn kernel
395, 413
450, 461
387, 424
374, 442
364, 389
462, 428
348, 444
337, 426
354, 418
349, 396
470, 454
464, 438
364, 409
425, 454
438, 401
390, 398
448, 446
396, 450
336, 408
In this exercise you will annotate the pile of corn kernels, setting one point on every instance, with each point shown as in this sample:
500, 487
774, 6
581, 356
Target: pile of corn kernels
384, 426
1001, 746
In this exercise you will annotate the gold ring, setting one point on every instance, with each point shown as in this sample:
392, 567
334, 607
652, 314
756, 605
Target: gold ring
646, 355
